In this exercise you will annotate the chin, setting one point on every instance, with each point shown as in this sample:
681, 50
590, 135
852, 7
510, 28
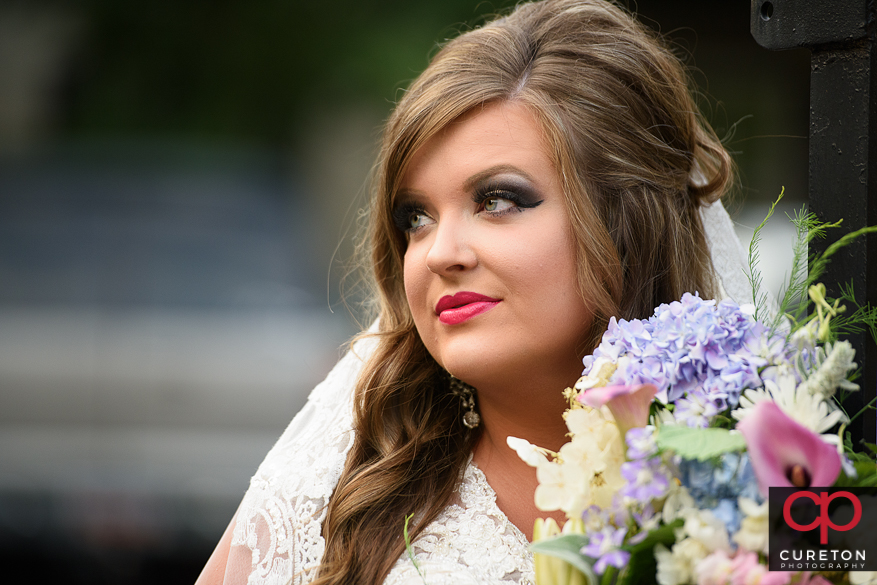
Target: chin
479, 362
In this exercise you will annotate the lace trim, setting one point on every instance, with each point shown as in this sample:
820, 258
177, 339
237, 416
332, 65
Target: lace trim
472, 541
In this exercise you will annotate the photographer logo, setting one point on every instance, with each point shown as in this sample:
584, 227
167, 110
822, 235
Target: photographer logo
823, 522
822, 529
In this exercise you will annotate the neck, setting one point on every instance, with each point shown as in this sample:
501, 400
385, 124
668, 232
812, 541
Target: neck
538, 421
527, 414
525, 404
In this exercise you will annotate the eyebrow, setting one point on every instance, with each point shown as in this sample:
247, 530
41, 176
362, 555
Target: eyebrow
491, 172
470, 184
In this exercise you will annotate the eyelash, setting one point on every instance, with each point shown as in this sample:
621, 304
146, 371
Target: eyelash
403, 213
520, 202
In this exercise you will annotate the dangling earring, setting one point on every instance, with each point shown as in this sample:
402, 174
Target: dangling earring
467, 396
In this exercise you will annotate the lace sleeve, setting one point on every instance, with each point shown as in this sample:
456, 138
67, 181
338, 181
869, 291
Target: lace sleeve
277, 535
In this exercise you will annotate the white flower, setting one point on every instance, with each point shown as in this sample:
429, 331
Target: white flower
676, 567
562, 487
678, 501
807, 336
609, 481
833, 370
753, 533
598, 376
715, 569
704, 527
663, 417
529, 453
804, 407
596, 447
863, 577
587, 469
584, 421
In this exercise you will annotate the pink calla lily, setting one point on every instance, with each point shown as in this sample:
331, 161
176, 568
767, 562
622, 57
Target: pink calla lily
777, 445
629, 405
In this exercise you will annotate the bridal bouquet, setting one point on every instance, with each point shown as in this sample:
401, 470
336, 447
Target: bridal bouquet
679, 424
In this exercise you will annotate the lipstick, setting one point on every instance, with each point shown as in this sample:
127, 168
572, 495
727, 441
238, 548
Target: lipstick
452, 310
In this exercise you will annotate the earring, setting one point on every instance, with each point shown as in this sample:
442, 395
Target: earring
467, 396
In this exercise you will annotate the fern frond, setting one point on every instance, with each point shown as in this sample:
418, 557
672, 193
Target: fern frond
759, 299
795, 291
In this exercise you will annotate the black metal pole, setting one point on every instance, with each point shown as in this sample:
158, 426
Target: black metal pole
840, 35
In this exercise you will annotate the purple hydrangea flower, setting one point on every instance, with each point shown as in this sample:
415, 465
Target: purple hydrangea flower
692, 350
697, 408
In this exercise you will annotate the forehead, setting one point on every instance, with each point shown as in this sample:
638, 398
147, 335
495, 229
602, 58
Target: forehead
505, 134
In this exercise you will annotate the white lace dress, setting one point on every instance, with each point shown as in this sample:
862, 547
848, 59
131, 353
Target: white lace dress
277, 536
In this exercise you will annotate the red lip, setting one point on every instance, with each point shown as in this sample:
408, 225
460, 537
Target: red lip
462, 306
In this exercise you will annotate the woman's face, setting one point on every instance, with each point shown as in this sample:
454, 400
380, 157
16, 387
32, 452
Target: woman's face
490, 268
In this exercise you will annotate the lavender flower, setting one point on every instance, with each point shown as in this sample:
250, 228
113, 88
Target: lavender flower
647, 479
604, 546
641, 442
647, 521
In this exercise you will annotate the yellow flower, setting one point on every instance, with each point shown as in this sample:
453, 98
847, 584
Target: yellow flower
552, 570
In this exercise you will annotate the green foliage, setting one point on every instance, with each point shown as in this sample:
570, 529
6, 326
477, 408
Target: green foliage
862, 318
869, 406
759, 299
642, 567
807, 228
410, 551
866, 475
807, 269
700, 444
566, 547
249, 70
863, 462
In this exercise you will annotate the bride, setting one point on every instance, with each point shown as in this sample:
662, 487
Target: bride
547, 171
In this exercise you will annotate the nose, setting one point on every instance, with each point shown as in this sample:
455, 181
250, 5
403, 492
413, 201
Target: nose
451, 250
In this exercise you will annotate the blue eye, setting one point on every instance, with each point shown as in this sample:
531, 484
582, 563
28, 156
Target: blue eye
417, 219
410, 218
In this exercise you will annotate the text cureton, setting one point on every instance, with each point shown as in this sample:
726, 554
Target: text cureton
821, 555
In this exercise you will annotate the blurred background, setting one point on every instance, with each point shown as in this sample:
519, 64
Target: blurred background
180, 189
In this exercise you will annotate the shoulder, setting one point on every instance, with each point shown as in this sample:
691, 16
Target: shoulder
277, 530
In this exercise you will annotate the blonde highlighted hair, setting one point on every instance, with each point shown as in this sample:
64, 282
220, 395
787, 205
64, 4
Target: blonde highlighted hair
636, 161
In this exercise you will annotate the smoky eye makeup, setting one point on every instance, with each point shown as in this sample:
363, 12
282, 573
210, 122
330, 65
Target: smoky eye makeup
405, 214
518, 191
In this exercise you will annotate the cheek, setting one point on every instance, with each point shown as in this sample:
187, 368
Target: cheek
415, 284
558, 269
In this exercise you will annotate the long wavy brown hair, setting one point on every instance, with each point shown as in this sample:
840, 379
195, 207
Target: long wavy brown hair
636, 161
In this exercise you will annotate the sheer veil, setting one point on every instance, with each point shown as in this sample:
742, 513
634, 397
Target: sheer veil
277, 529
